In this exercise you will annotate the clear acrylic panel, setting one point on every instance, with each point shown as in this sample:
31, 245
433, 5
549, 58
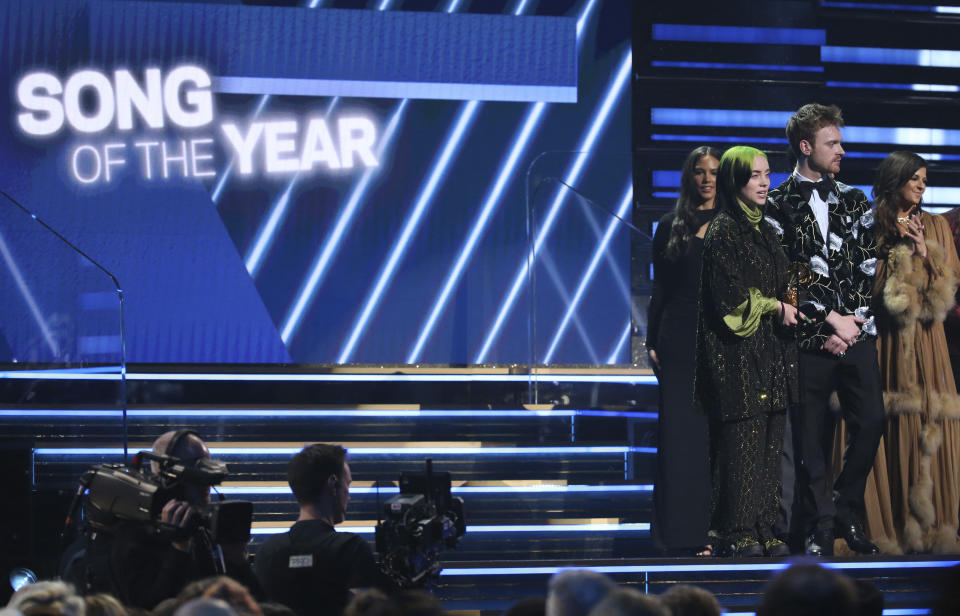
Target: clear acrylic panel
61, 330
588, 266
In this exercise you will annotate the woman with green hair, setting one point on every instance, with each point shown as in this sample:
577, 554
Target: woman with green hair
746, 357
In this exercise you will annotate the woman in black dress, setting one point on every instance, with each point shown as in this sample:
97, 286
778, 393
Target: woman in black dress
746, 357
681, 499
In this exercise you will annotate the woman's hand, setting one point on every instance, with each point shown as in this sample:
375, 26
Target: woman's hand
787, 313
914, 232
653, 359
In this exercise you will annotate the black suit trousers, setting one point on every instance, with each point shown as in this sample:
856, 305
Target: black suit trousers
856, 379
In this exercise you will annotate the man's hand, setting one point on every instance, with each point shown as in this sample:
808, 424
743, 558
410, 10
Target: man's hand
847, 327
835, 345
177, 513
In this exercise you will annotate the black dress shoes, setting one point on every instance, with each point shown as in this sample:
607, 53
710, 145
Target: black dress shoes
820, 543
857, 539
776, 548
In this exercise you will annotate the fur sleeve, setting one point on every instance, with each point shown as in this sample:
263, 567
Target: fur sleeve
938, 296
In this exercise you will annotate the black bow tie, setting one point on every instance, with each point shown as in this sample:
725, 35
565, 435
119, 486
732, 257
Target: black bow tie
823, 187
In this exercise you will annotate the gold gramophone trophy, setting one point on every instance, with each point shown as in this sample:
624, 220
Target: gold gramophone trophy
799, 274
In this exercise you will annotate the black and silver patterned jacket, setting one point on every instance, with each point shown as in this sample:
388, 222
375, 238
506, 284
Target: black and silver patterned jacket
842, 278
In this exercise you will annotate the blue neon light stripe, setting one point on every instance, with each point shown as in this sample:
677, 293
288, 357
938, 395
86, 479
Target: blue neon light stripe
736, 66
913, 87
600, 119
512, 528
587, 276
620, 344
537, 489
67, 375
902, 135
758, 566
216, 450
941, 58
665, 194
331, 245
428, 90
752, 118
882, 6
318, 270
553, 272
257, 414
529, 125
718, 139
666, 178
738, 34
450, 149
28, 297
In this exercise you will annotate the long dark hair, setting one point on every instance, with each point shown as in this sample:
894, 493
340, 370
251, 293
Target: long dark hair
685, 220
895, 171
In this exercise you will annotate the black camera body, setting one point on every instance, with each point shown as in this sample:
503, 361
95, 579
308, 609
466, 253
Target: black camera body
118, 493
419, 523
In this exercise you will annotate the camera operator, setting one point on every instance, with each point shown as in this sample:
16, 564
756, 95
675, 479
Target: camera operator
313, 569
142, 564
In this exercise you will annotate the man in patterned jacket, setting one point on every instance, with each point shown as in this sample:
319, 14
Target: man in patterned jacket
828, 226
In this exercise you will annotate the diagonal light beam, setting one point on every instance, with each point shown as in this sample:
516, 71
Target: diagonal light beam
591, 269
599, 123
520, 142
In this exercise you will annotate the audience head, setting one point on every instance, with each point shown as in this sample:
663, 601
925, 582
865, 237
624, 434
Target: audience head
371, 602
205, 607
869, 598
102, 604
575, 592
629, 602
529, 606
809, 590
812, 131
47, 598
687, 600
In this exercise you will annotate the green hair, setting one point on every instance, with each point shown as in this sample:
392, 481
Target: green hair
736, 167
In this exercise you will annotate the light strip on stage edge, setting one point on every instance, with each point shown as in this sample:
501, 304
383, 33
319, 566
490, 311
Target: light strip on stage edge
515, 528
940, 58
599, 123
912, 611
640, 379
591, 269
759, 566
367, 451
537, 489
257, 414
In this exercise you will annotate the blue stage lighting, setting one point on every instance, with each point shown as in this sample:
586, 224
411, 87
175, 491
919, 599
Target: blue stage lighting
735, 66
600, 118
588, 274
738, 34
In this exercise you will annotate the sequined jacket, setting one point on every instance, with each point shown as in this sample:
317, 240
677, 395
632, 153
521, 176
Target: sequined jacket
741, 377
841, 277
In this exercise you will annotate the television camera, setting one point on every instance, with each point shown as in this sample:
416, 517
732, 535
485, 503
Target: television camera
418, 524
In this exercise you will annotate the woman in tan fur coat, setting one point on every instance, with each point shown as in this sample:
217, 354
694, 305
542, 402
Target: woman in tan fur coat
913, 495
